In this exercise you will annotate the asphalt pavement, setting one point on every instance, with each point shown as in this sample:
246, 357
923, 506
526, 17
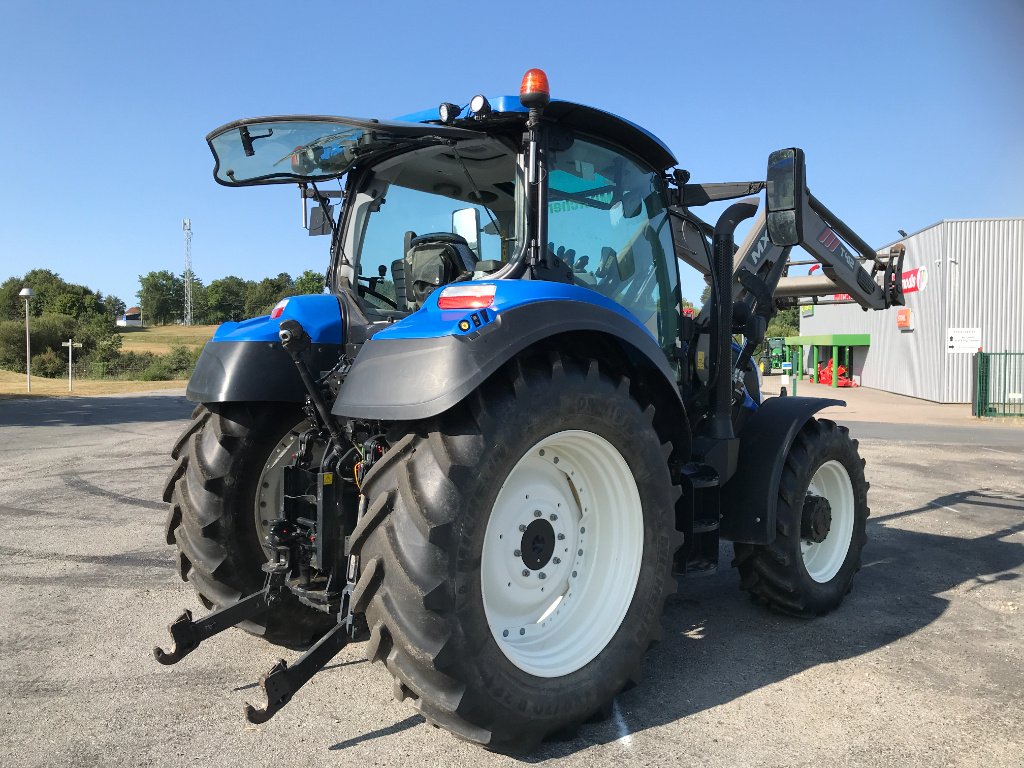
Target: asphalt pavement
922, 665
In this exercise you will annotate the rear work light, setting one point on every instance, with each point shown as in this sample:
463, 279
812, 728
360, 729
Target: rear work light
466, 297
278, 309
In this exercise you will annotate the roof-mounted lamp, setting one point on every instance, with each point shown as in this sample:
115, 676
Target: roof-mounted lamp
534, 92
480, 106
449, 112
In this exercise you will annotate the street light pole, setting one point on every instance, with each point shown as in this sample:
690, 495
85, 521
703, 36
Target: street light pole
27, 293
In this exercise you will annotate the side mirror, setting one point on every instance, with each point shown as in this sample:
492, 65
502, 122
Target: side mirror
787, 183
318, 222
466, 223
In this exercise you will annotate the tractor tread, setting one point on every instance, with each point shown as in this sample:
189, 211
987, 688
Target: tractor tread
404, 541
209, 521
774, 573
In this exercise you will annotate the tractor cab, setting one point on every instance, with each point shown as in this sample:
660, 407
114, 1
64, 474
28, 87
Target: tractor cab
451, 195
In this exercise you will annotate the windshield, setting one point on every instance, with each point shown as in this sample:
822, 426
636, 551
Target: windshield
277, 150
430, 194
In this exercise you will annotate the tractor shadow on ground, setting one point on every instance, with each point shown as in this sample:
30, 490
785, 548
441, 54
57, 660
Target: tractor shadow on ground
719, 646
93, 411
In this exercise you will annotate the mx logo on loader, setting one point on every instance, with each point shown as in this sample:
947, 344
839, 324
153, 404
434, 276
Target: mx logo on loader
760, 249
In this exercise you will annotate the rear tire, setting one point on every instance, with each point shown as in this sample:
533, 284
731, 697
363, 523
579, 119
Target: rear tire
443, 506
794, 574
212, 491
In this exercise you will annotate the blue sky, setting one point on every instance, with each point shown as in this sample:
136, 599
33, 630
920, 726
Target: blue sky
909, 112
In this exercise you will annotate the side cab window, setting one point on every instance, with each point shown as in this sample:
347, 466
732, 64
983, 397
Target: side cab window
608, 222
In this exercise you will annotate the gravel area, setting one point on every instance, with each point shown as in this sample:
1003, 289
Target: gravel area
923, 664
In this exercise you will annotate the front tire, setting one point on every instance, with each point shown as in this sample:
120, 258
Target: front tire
452, 547
809, 568
213, 490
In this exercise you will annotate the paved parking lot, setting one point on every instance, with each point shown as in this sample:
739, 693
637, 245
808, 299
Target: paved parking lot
923, 665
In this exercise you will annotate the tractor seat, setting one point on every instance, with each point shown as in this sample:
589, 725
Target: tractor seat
431, 260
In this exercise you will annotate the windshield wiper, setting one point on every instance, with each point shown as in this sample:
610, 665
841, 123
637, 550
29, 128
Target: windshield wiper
248, 139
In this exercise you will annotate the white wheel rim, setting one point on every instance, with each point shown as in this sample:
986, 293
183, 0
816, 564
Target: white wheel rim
824, 559
270, 490
580, 488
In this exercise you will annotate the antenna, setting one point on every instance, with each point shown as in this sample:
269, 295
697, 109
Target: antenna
186, 226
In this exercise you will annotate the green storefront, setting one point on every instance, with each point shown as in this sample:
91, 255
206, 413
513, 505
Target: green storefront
841, 344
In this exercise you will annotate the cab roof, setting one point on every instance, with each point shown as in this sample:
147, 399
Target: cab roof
591, 120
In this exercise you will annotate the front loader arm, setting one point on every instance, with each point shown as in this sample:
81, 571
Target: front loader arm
843, 273
796, 217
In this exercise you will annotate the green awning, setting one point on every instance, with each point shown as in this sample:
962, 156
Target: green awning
830, 340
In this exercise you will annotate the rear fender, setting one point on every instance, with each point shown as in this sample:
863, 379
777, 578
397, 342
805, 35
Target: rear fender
750, 497
431, 360
245, 362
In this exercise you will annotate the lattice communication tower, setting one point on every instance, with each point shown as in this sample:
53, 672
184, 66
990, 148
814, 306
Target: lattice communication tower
186, 225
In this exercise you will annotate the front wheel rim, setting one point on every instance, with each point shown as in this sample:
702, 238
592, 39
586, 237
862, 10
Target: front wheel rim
562, 553
823, 560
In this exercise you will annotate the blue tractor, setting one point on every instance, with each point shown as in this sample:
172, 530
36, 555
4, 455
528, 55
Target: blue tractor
492, 467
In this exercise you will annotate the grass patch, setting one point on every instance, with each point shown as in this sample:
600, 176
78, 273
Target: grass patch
12, 385
160, 339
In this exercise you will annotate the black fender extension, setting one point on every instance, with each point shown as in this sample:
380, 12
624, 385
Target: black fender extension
750, 497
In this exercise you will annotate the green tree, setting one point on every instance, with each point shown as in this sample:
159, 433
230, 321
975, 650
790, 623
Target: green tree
226, 299
785, 323
113, 306
53, 295
12, 307
309, 281
161, 297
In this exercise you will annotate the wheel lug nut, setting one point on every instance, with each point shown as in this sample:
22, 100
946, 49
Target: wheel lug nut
542, 575
522, 528
574, 574
517, 553
537, 513
583, 530
579, 552
525, 572
557, 560
561, 536
505, 633
522, 631
554, 517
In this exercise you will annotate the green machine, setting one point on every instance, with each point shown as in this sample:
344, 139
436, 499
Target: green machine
773, 353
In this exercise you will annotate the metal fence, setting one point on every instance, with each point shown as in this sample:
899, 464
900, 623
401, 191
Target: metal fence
157, 369
999, 384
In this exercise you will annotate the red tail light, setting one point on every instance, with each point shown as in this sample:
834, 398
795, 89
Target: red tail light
466, 297
278, 309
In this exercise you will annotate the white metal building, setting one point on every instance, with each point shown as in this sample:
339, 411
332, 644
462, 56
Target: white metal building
964, 285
